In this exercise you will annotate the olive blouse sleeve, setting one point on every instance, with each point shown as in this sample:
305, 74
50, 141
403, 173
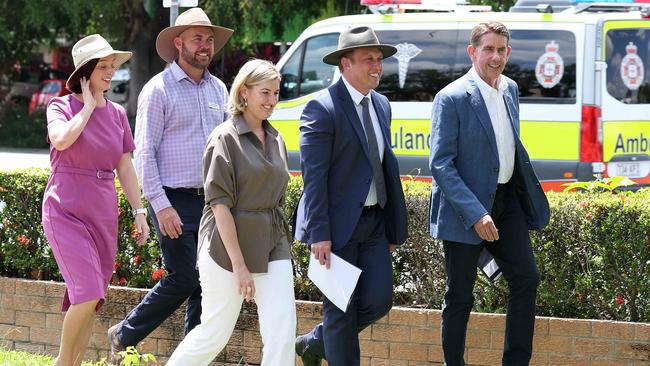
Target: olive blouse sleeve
219, 176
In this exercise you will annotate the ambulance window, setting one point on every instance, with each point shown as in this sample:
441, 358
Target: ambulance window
316, 74
542, 76
462, 62
627, 55
422, 66
305, 73
543, 63
289, 84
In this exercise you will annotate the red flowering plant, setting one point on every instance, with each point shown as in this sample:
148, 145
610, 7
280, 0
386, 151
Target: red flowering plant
134, 264
25, 252
23, 248
620, 300
158, 274
594, 257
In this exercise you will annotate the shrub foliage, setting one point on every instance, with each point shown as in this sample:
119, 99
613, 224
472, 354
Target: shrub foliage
593, 258
17, 129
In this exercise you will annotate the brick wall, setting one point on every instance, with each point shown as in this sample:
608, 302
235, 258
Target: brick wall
30, 320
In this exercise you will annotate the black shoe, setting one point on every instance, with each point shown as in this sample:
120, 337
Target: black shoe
308, 357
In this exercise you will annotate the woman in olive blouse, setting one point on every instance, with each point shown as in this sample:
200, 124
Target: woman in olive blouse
243, 237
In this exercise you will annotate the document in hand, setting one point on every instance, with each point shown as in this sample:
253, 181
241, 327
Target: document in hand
338, 282
489, 266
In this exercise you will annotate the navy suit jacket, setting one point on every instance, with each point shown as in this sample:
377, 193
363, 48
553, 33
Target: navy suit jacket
464, 163
337, 173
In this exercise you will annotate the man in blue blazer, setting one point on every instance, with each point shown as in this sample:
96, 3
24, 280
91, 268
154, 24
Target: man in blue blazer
352, 204
484, 194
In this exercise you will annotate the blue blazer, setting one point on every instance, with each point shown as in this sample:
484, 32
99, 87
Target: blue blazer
337, 172
464, 163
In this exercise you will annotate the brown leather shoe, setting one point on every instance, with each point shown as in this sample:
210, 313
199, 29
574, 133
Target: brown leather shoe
114, 357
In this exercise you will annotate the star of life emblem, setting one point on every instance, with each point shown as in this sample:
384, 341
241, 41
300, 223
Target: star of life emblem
405, 52
550, 66
632, 68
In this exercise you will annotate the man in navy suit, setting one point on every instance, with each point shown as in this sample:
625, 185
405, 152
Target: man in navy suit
352, 204
484, 194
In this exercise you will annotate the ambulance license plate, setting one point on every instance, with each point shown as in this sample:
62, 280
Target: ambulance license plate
629, 169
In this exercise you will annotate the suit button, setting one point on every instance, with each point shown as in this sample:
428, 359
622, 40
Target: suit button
496, 170
491, 195
368, 181
360, 204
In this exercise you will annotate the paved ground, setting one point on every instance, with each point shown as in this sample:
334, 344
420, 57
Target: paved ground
11, 158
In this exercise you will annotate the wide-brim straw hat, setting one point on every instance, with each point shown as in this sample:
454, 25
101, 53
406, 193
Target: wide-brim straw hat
194, 17
358, 37
90, 48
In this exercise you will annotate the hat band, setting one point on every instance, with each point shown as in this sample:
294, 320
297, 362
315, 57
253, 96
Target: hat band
80, 58
197, 23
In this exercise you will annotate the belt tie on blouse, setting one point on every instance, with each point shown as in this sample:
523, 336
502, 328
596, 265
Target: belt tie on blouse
279, 225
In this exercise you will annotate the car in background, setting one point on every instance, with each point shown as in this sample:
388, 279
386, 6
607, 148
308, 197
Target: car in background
26, 81
47, 89
119, 91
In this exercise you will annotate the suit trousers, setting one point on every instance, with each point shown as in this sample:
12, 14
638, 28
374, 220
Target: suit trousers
221, 307
336, 339
182, 280
514, 255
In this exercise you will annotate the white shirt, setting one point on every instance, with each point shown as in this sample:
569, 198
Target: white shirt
371, 199
496, 106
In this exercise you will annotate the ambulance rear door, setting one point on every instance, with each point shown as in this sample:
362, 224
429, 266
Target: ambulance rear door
625, 98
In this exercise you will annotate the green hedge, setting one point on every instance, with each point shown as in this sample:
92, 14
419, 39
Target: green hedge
593, 258
24, 251
17, 129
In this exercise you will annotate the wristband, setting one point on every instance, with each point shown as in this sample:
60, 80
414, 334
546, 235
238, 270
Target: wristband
140, 211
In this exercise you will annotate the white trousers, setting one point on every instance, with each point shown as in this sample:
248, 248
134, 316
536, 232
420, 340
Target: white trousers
221, 304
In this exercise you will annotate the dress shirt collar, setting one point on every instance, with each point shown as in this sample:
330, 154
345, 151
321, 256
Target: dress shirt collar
484, 87
179, 74
242, 127
354, 93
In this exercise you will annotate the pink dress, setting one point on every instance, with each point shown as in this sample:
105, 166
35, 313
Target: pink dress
80, 204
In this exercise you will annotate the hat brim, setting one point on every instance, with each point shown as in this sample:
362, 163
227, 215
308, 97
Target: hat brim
165, 40
333, 58
120, 58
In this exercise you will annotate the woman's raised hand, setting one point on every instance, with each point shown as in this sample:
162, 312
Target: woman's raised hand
90, 98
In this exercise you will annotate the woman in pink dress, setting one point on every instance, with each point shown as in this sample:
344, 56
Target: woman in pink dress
90, 138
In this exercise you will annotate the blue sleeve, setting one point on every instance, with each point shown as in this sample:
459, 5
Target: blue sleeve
445, 126
316, 140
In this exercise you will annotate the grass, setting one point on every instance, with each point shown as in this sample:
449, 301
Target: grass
20, 358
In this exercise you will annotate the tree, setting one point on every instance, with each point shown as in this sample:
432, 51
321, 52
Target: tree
255, 20
126, 24
134, 25
146, 19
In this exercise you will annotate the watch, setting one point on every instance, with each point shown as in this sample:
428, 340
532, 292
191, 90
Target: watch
140, 211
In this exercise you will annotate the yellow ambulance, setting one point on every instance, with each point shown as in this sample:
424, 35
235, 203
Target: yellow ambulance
583, 74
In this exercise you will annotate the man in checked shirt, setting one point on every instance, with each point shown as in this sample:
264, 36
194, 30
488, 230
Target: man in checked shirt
177, 111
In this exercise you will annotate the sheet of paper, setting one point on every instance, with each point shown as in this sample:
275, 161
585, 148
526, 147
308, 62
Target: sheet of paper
489, 266
338, 282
